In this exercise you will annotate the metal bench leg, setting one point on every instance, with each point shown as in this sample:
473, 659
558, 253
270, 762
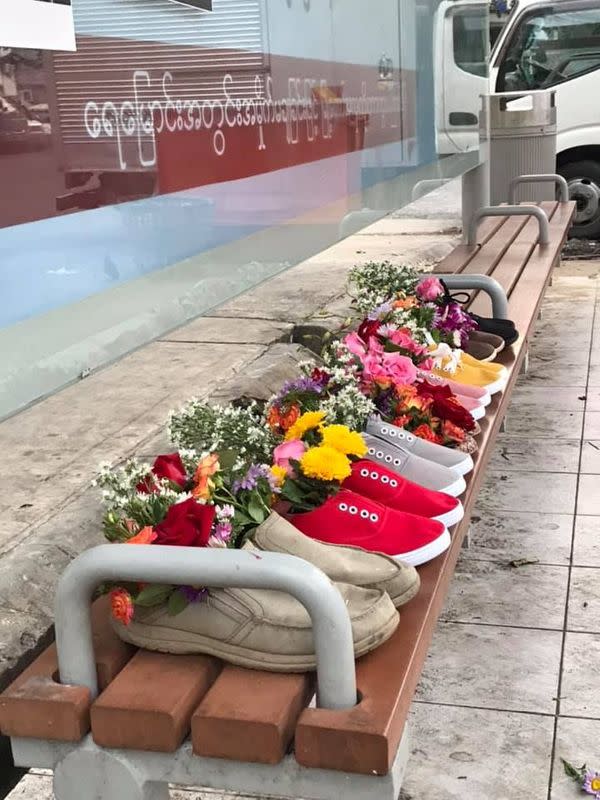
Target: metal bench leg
525, 364
466, 542
504, 424
95, 774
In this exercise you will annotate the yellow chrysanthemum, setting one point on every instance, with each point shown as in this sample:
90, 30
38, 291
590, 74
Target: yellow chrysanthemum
279, 473
325, 464
345, 441
308, 421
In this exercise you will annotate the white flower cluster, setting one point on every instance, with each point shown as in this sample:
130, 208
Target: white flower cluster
201, 427
349, 406
375, 283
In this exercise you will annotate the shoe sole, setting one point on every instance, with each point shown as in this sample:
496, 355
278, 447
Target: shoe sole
497, 386
457, 488
452, 517
477, 413
404, 598
463, 467
428, 552
170, 640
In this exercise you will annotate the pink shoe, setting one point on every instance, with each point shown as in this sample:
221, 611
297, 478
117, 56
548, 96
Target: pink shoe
473, 406
465, 389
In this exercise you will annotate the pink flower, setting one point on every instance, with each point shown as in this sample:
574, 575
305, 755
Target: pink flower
355, 344
402, 339
430, 288
400, 368
282, 454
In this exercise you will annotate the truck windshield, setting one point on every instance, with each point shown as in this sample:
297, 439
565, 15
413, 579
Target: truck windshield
551, 46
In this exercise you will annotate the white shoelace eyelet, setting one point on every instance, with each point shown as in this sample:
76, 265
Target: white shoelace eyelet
384, 430
364, 473
343, 507
374, 518
353, 510
397, 462
364, 514
379, 454
374, 475
388, 459
401, 434
393, 433
393, 483
385, 479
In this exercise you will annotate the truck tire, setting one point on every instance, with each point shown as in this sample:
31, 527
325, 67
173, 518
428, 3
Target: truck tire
583, 178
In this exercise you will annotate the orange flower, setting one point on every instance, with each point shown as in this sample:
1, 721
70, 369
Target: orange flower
146, 536
407, 302
425, 432
202, 477
277, 420
452, 431
121, 604
401, 421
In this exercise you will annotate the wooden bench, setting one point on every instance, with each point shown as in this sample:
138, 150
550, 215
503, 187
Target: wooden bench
195, 721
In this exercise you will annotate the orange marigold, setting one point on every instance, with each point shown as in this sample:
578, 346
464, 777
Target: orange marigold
121, 605
146, 536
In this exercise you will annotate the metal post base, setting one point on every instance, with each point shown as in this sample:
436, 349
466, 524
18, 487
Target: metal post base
504, 424
85, 771
525, 364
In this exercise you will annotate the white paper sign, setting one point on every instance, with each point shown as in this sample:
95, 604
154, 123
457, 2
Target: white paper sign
37, 24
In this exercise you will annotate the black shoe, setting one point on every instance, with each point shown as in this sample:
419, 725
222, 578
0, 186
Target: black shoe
496, 325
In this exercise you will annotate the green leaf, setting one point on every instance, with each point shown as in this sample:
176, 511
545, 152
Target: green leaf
573, 772
227, 459
177, 603
256, 510
153, 595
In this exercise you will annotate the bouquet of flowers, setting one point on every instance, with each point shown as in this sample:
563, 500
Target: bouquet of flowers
313, 460
182, 500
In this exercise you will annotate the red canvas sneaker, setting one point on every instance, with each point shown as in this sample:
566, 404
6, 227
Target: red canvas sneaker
349, 518
378, 483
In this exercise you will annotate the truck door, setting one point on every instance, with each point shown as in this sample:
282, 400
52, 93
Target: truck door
462, 45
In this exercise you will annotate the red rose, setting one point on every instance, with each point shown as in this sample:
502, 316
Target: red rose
446, 405
368, 328
187, 524
169, 467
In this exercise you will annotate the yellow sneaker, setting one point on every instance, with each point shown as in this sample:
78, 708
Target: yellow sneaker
473, 374
489, 366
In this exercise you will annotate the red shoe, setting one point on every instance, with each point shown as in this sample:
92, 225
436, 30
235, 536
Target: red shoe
349, 518
381, 484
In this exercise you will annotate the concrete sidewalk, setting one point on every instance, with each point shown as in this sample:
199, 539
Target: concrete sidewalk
512, 681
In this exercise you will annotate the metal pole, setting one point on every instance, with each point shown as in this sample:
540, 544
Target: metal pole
475, 193
209, 567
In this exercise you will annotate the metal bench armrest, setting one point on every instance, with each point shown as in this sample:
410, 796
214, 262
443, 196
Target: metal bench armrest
562, 184
336, 676
509, 211
484, 284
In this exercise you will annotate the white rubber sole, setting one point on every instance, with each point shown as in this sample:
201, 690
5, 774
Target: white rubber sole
477, 413
426, 553
498, 385
455, 489
463, 467
452, 517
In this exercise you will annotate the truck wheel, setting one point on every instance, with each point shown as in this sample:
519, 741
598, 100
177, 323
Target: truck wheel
583, 178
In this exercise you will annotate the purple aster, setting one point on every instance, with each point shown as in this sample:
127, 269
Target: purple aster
384, 308
301, 385
251, 478
193, 594
591, 783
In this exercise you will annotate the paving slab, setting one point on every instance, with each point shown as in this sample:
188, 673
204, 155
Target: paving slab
588, 497
561, 398
496, 593
529, 535
488, 666
584, 600
586, 544
243, 331
590, 456
472, 754
578, 742
515, 453
580, 691
519, 491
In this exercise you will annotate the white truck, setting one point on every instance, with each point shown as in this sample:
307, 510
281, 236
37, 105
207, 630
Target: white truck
543, 45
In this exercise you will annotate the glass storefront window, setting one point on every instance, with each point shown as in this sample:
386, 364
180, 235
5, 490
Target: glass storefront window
188, 150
